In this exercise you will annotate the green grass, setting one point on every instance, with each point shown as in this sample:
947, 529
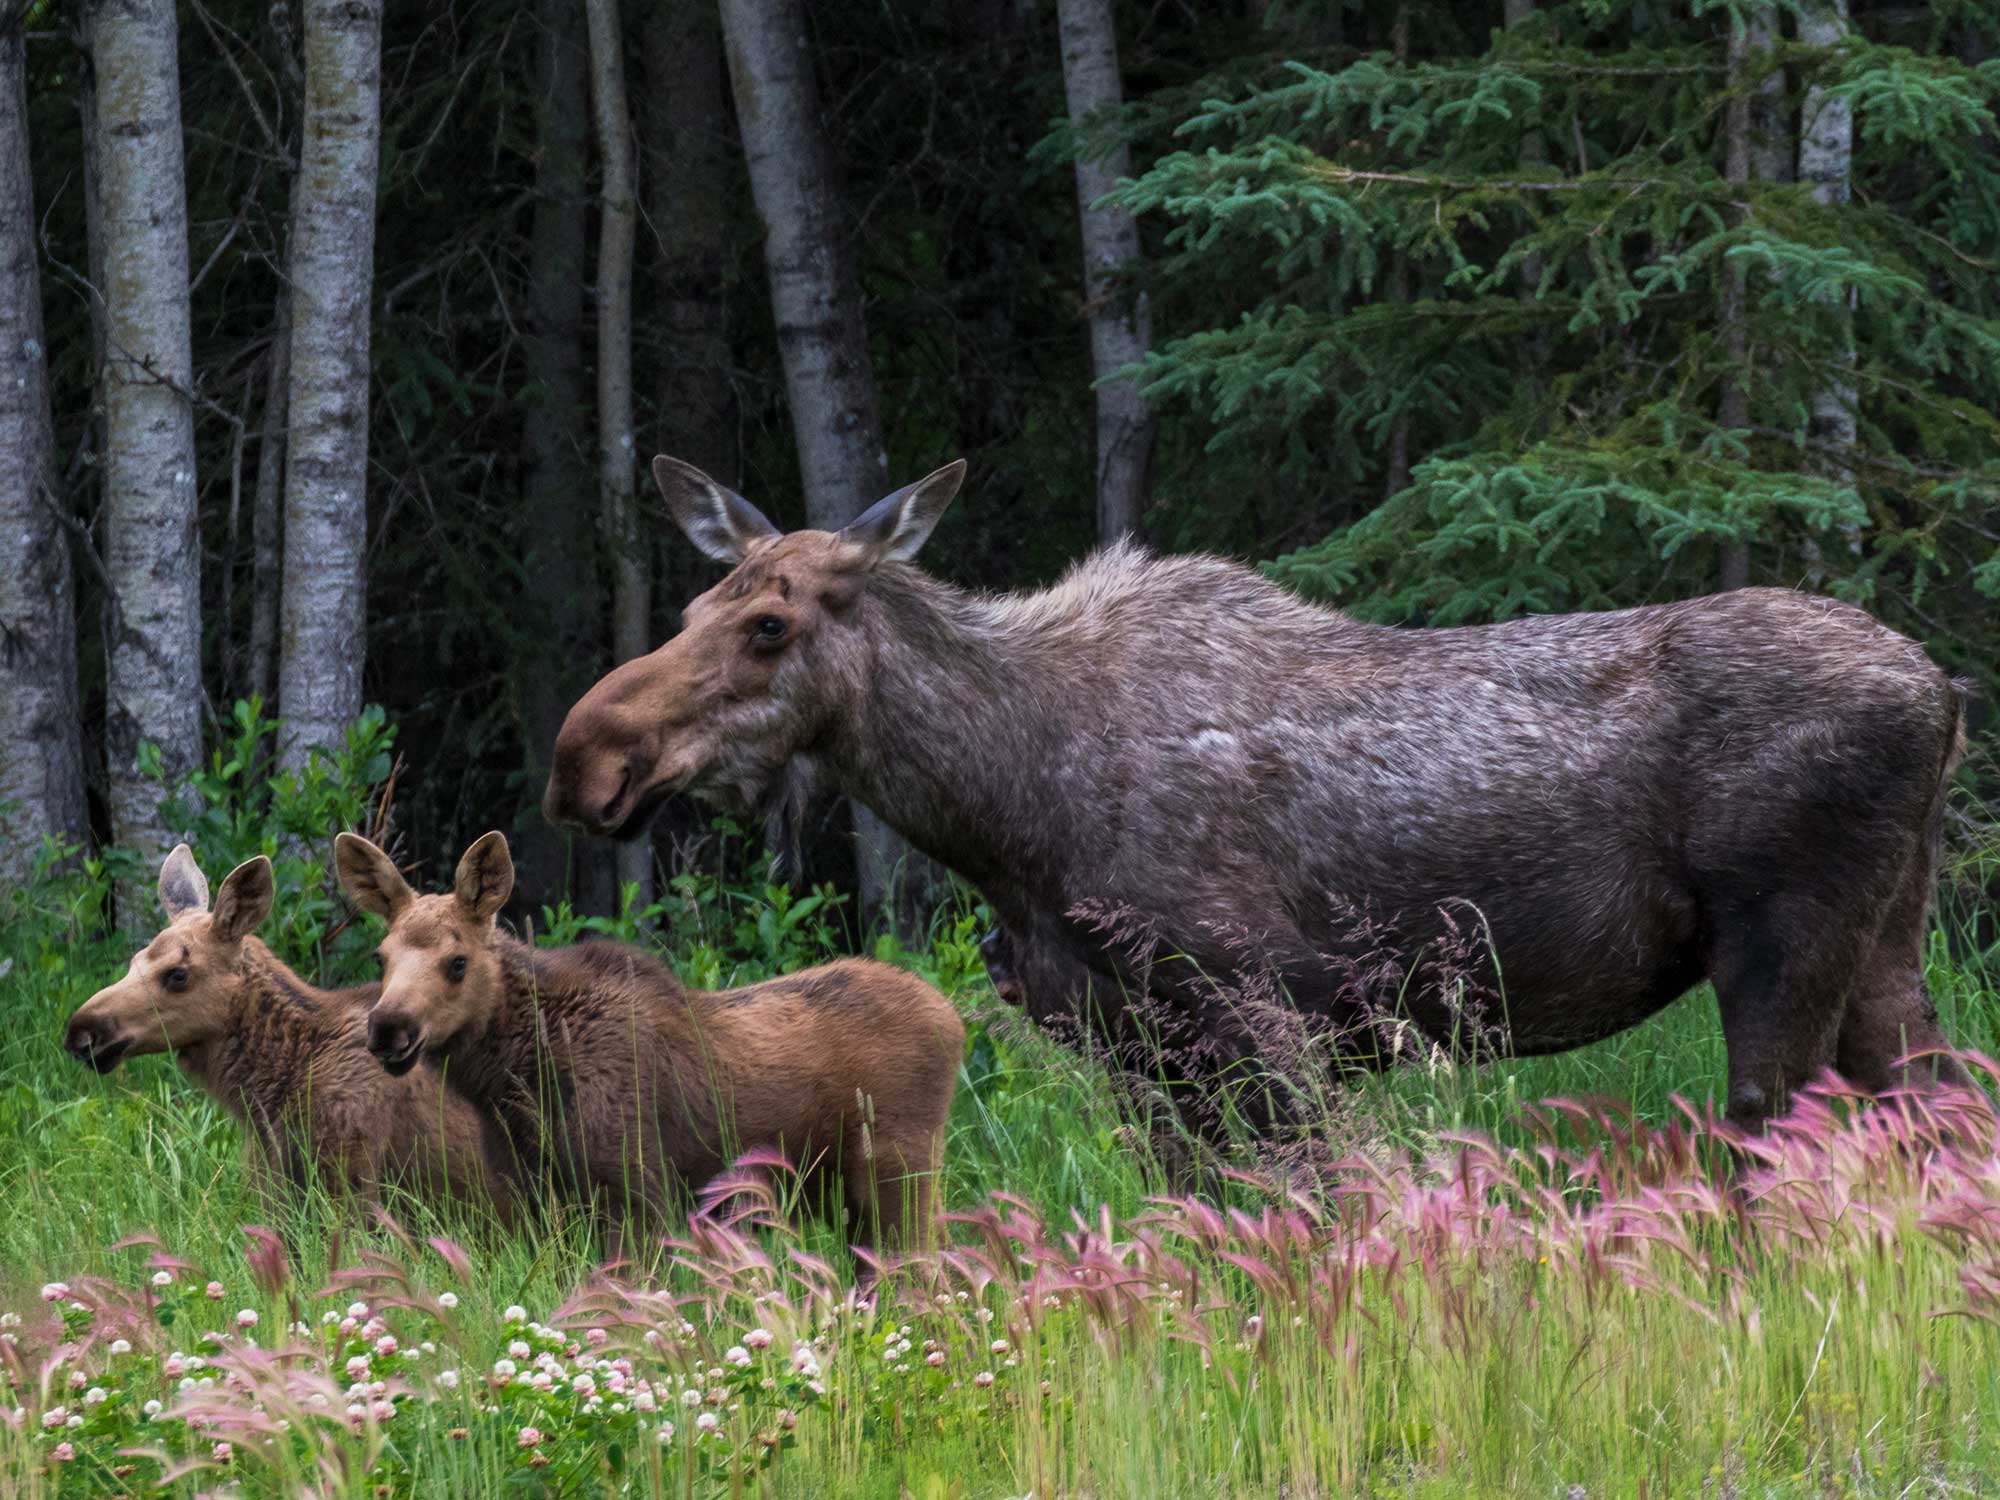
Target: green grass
1732, 1369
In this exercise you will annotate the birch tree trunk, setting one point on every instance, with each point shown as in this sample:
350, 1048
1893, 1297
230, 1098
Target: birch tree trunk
816, 300
1121, 326
41, 756
322, 632
557, 513
266, 512
1826, 159
1739, 166
631, 592
152, 556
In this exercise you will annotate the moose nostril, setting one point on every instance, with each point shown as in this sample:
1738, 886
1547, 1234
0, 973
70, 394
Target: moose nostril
387, 1036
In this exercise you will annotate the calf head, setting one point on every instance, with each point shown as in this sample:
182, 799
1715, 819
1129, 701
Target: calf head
440, 962
186, 986
763, 662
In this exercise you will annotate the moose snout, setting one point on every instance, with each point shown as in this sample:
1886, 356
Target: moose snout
396, 1040
998, 954
94, 1041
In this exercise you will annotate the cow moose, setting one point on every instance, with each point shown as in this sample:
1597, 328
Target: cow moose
1175, 782
621, 1084
288, 1060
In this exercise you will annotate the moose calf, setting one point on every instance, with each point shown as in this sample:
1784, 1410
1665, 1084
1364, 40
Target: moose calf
290, 1061
625, 1082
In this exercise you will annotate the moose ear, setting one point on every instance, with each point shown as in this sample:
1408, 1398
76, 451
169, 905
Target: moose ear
244, 900
370, 877
891, 530
183, 888
485, 876
720, 522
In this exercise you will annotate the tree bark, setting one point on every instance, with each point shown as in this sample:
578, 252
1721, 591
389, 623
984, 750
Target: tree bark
1826, 160
323, 634
631, 591
556, 516
816, 300
1121, 324
152, 556
41, 755
1733, 410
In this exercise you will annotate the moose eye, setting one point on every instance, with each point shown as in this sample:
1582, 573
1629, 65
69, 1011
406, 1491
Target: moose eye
770, 630
176, 980
455, 970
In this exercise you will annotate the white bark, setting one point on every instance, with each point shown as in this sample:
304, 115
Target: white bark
322, 630
1121, 324
152, 556
816, 300
631, 593
1826, 160
41, 758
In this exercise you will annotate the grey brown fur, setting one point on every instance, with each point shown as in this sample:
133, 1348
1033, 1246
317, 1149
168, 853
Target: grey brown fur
622, 1085
1746, 788
290, 1061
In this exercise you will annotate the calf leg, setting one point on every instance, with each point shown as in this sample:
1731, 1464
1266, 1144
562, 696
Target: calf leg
1889, 1013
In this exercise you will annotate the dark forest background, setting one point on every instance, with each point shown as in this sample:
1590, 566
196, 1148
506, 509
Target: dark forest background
1456, 312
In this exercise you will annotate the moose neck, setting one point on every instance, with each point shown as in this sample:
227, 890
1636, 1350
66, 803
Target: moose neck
261, 1056
505, 1061
965, 712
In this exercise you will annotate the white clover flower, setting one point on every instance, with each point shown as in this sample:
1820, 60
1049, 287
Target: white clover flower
666, 1432
583, 1385
447, 1300
983, 1379
503, 1367
519, 1349
935, 1359
541, 1380
357, 1391
515, 1314
381, 1409
385, 1345
95, 1396
426, 1347
246, 1318
357, 1309
691, 1397
163, 1278
1000, 1346
121, 1346
215, 1291
597, 1338
357, 1367
448, 1379
74, 1421
643, 1401
708, 1421
152, 1408
738, 1356
356, 1410
758, 1338
53, 1417
54, 1291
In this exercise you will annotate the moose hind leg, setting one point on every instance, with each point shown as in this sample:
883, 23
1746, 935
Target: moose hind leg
1782, 968
1889, 1014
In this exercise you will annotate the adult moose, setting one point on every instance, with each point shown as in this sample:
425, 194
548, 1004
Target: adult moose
1261, 793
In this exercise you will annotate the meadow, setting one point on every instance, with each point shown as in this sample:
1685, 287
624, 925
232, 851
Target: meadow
1455, 1293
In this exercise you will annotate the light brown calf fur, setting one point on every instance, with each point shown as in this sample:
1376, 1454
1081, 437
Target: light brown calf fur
288, 1060
619, 1084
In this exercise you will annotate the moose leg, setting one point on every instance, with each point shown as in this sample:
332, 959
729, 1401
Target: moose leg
1782, 968
1890, 1014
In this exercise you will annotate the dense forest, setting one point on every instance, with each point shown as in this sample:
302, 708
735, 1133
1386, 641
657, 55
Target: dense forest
1441, 313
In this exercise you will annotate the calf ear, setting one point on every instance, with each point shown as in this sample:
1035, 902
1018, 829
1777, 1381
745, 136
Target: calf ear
485, 876
244, 900
720, 522
370, 877
183, 888
892, 529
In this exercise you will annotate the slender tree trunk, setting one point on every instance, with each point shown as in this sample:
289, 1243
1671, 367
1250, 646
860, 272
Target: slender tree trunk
1826, 158
152, 555
1734, 407
556, 514
816, 299
266, 559
1121, 324
323, 639
41, 755
1770, 129
1397, 478
687, 176
1532, 154
631, 592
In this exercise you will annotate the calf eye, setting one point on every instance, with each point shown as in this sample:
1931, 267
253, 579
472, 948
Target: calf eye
770, 629
455, 970
176, 980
